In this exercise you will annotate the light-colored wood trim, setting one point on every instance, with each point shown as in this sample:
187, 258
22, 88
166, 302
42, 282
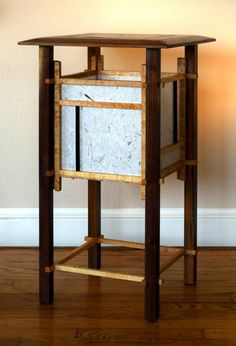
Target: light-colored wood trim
100, 176
172, 147
115, 242
57, 126
175, 167
191, 162
48, 81
93, 104
172, 260
192, 76
100, 273
72, 254
190, 252
143, 132
86, 73
102, 82
50, 173
181, 68
120, 73
172, 77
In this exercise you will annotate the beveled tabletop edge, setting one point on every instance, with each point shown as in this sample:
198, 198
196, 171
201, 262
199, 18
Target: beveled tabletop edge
119, 40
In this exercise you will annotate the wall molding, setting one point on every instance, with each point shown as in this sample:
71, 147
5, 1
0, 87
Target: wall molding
19, 226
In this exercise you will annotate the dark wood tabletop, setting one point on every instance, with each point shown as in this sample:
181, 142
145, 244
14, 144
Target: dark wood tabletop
119, 40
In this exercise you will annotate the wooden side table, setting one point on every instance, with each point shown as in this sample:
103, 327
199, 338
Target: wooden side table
154, 159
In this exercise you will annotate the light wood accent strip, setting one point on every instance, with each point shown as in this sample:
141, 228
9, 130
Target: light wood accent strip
100, 176
192, 76
175, 167
57, 126
191, 162
83, 74
172, 77
93, 104
102, 82
100, 273
172, 147
143, 132
128, 244
172, 260
50, 173
120, 73
190, 252
48, 81
75, 252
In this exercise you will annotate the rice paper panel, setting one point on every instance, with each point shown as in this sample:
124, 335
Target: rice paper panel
110, 141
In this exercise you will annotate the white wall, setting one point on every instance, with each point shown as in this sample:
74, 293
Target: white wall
23, 19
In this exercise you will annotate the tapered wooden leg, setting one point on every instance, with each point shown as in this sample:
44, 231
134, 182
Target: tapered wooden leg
152, 201
94, 187
94, 222
46, 163
190, 216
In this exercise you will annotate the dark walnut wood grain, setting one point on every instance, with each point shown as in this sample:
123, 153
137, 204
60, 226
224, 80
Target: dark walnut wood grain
152, 200
190, 190
46, 163
119, 40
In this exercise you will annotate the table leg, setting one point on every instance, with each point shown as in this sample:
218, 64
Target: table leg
46, 164
152, 200
94, 222
94, 188
190, 207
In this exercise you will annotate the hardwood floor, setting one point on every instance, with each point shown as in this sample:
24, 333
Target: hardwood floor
96, 311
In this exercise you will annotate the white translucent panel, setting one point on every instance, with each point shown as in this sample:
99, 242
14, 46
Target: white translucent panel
101, 93
68, 153
110, 139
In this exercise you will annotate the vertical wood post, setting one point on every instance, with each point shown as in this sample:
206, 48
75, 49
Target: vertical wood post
46, 163
94, 189
94, 222
190, 207
152, 201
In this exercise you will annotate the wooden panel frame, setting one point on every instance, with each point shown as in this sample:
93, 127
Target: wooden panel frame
166, 77
93, 104
101, 176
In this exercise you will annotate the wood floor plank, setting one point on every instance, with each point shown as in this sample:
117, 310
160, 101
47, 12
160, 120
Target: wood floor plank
100, 311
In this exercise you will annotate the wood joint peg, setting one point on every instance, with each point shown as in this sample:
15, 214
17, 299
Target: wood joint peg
192, 76
144, 283
49, 269
48, 81
190, 252
191, 162
49, 173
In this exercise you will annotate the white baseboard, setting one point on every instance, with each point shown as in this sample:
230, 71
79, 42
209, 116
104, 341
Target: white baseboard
19, 227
